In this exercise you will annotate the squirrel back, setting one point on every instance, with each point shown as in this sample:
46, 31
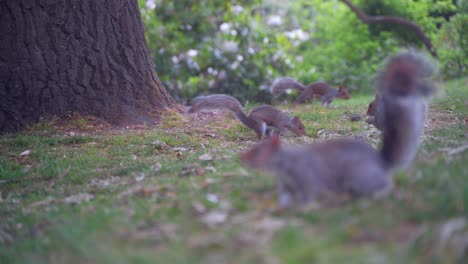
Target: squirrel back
217, 101
260, 118
317, 89
324, 91
310, 173
348, 166
277, 119
223, 101
279, 86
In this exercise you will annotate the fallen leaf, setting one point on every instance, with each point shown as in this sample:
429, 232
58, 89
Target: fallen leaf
212, 198
457, 150
78, 198
205, 157
147, 191
140, 190
180, 149
140, 177
155, 233
198, 207
210, 181
26, 168
238, 172
46, 201
191, 169
210, 168
103, 183
214, 218
449, 227
159, 144
156, 167
25, 153
453, 236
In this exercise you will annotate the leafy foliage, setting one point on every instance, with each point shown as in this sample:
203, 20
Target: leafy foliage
211, 46
453, 43
240, 47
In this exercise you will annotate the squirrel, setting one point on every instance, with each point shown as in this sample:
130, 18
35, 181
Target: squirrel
373, 116
371, 112
316, 89
350, 167
263, 119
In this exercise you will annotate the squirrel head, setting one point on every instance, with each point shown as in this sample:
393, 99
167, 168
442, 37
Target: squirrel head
298, 127
260, 154
406, 74
342, 93
372, 106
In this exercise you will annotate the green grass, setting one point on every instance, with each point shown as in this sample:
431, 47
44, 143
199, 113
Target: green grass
149, 199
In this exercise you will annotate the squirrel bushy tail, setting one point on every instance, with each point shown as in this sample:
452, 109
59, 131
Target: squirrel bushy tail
402, 86
223, 101
219, 101
279, 86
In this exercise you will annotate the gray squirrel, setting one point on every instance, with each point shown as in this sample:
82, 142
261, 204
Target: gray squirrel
316, 89
263, 119
344, 166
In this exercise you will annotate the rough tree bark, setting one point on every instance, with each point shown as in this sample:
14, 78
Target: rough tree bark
393, 20
85, 56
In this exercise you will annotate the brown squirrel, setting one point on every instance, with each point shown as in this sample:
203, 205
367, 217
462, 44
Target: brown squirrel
348, 166
371, 112
263, 119
316, 89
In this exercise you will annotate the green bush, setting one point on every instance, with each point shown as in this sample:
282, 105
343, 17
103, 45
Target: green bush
240, 47
452, 44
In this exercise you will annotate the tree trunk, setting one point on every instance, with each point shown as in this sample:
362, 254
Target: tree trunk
86, 56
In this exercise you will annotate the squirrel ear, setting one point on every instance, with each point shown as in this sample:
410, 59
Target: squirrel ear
275, 141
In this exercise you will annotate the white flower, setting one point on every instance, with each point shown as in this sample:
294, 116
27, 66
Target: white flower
224, 27
230, 46
274, 21
192, 53
297, 34
237, 9
150, 4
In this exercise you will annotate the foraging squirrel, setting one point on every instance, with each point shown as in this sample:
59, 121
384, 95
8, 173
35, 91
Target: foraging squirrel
371, 112
348, 166
262, 119
316, 89
374, 118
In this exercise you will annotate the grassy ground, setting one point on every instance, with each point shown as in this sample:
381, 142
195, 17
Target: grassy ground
74, 190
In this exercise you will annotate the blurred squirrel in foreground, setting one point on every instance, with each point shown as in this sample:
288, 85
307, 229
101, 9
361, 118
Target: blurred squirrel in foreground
263, 119
317, 89
347, 166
